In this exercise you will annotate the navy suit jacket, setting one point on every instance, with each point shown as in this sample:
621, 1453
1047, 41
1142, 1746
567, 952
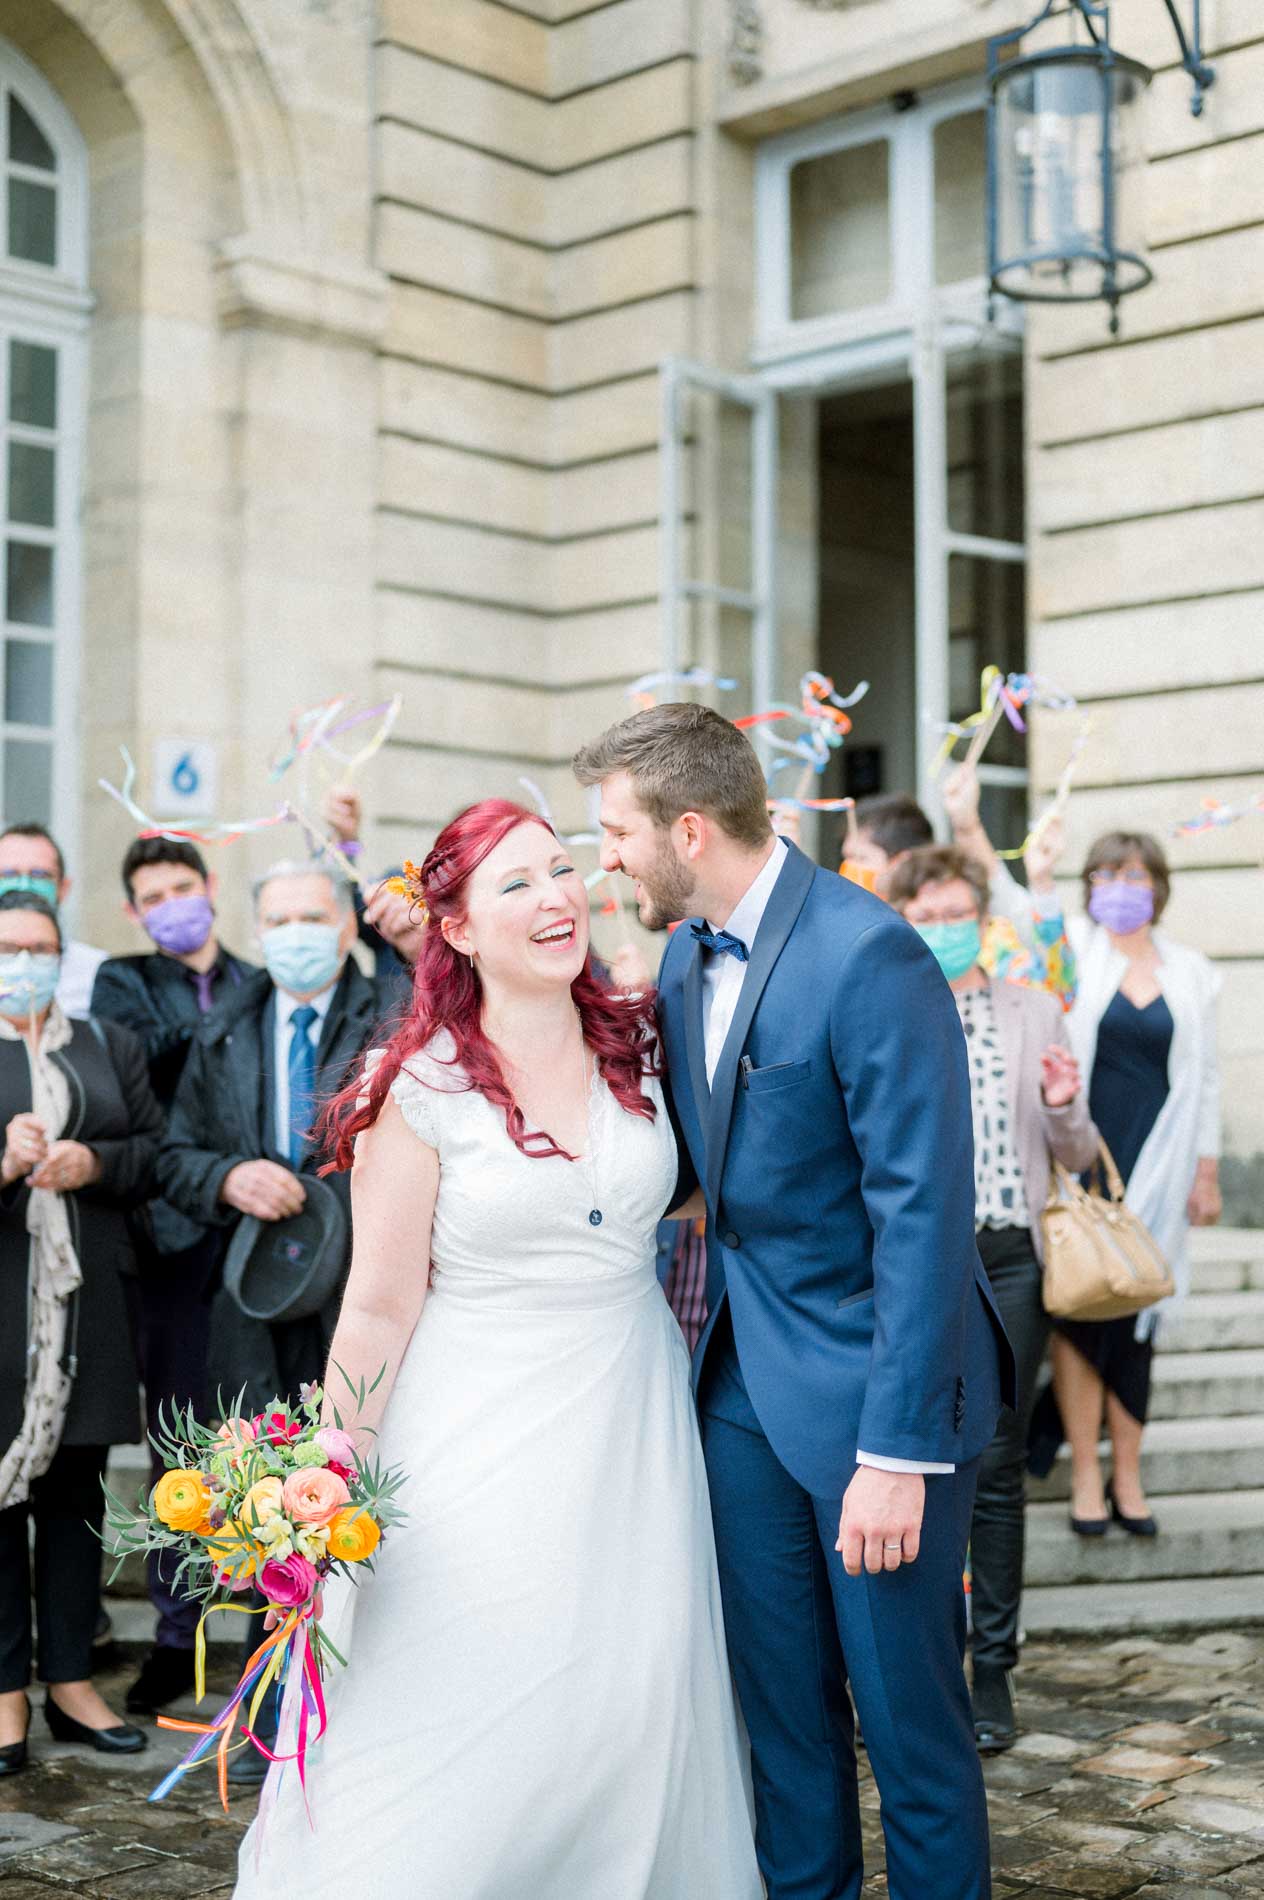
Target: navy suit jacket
836, 1151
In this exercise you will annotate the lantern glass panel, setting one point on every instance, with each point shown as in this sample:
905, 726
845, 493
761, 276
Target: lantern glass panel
840, 231
1066, 203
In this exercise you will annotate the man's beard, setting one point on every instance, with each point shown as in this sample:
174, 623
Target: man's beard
667, 890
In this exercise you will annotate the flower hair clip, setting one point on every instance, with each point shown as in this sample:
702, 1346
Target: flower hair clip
410, 884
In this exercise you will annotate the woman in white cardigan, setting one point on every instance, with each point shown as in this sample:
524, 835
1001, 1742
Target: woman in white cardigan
1143, 1029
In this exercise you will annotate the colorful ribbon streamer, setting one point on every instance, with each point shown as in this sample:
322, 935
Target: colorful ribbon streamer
275, 1655
1214, 815
1000, 696
226, 832
644, 690
316, 727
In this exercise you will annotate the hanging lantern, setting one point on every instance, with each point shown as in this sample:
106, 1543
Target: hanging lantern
1065, 162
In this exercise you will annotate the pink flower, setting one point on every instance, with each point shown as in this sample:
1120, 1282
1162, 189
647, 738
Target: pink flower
337, 1447
313, 1495
276, 1428
236, 1433
288, 1583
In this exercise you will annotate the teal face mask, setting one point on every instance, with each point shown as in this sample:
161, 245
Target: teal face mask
954, 946
31, 883
28, 982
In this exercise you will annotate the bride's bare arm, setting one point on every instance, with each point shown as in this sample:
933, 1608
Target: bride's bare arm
393, 1187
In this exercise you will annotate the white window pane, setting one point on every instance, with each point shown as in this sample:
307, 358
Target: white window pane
840, 231
32, 221
29, 584
32, 384
32, 484
27, 144
28, 682
960, 212
28, 782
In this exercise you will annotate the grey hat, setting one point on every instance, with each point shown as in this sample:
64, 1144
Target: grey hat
287, 1269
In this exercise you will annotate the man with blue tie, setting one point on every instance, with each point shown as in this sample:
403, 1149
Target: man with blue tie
852, 1365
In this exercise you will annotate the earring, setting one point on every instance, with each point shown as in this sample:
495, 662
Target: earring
471, 957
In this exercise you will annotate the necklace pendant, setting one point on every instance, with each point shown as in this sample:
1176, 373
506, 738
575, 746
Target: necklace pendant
595, 1218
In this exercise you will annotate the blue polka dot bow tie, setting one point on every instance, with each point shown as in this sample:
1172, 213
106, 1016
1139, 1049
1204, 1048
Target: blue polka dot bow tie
721, 940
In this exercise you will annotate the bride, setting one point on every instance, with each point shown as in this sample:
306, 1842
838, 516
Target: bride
537, 1704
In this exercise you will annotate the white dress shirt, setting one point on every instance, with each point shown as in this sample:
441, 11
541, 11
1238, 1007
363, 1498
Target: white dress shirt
283, 1035
722, 979
79, 965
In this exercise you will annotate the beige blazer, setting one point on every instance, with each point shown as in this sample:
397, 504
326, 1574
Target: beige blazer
1027, 1021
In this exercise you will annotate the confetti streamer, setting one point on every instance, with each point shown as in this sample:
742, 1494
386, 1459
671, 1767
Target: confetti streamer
316, 727
1213, 815
1000, 697
644, 690
226, 832
1061, 797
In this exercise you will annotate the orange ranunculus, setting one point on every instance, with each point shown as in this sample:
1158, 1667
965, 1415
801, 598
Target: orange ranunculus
182, 1499
353, 1535
234, 1558
263, 1500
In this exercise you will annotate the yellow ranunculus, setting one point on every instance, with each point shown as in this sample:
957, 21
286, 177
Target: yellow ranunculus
233, 1556
262, 1501
182, 1500
353, 1535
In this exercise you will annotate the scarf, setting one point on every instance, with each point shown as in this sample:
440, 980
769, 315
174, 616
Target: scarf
53, 1274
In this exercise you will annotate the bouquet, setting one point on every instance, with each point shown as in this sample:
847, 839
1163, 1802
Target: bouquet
277, 1503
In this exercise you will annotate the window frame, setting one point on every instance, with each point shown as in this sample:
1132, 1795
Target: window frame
50, 306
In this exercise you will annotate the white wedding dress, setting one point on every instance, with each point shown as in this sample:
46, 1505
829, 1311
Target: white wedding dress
537, 1704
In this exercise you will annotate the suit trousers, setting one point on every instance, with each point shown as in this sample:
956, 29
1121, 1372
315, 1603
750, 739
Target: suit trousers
800, 1631
997, 1535
68, 1509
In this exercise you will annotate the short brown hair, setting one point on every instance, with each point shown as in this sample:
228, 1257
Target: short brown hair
1114, 848
684, 758
936, 864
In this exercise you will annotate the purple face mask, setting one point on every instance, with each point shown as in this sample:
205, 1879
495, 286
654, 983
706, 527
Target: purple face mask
181, 925
1121, 907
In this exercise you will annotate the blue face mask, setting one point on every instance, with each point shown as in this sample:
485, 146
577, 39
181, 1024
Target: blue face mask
302, 958
32, 884
954, 946
28, 982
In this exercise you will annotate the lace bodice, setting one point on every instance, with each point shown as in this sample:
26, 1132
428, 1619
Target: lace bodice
502, 1215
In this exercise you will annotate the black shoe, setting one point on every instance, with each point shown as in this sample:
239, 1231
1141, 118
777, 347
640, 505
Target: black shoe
13, 1754
248, 1768
1135, 1526
120, 1740
1090, 1526
165, 1675
995, 1729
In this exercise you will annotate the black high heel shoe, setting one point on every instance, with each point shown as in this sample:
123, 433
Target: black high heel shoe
120, 1740
13, 1754
1090, 1526
1135, 1526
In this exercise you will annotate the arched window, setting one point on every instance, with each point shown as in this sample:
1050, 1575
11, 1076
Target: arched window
44, 309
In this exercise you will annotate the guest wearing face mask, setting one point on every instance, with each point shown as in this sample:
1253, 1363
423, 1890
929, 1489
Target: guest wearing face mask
163, 997
1027, 1106
31, 860
81, 1129
1144, 1032
237, 1139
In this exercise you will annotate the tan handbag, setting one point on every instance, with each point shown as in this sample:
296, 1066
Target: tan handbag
1100, 1262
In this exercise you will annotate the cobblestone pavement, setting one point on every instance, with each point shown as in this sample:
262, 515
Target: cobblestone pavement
1141, 1771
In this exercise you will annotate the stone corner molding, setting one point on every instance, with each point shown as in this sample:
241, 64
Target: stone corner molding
266, 286
746, 42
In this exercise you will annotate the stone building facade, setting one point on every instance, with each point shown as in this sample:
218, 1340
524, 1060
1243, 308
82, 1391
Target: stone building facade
341, 371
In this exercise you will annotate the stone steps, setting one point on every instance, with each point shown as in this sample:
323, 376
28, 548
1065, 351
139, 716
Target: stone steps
1078, 1609
1228, 1383
1183, 1455
1216, 1322
1209, 1534
1227, 1260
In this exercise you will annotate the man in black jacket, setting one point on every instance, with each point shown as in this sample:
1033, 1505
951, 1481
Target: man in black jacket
238, 1137
163, 997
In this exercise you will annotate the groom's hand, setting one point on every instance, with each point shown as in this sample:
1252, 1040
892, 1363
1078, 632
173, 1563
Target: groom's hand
881, 1524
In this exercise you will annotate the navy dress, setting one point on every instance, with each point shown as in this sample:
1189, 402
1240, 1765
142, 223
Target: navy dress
1127, 1090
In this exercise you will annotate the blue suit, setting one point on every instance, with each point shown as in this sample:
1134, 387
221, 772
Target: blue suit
848, 1310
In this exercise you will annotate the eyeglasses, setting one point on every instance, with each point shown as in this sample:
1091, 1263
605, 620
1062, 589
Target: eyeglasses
1113, 876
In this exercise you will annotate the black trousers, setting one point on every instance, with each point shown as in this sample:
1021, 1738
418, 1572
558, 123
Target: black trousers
997, 1532
68, 1510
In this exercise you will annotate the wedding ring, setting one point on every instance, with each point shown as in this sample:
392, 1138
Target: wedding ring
897, 1545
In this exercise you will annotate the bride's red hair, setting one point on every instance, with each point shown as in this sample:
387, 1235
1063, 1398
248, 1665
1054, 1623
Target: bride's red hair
447, 994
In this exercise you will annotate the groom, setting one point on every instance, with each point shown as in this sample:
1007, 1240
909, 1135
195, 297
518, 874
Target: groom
851, 1356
